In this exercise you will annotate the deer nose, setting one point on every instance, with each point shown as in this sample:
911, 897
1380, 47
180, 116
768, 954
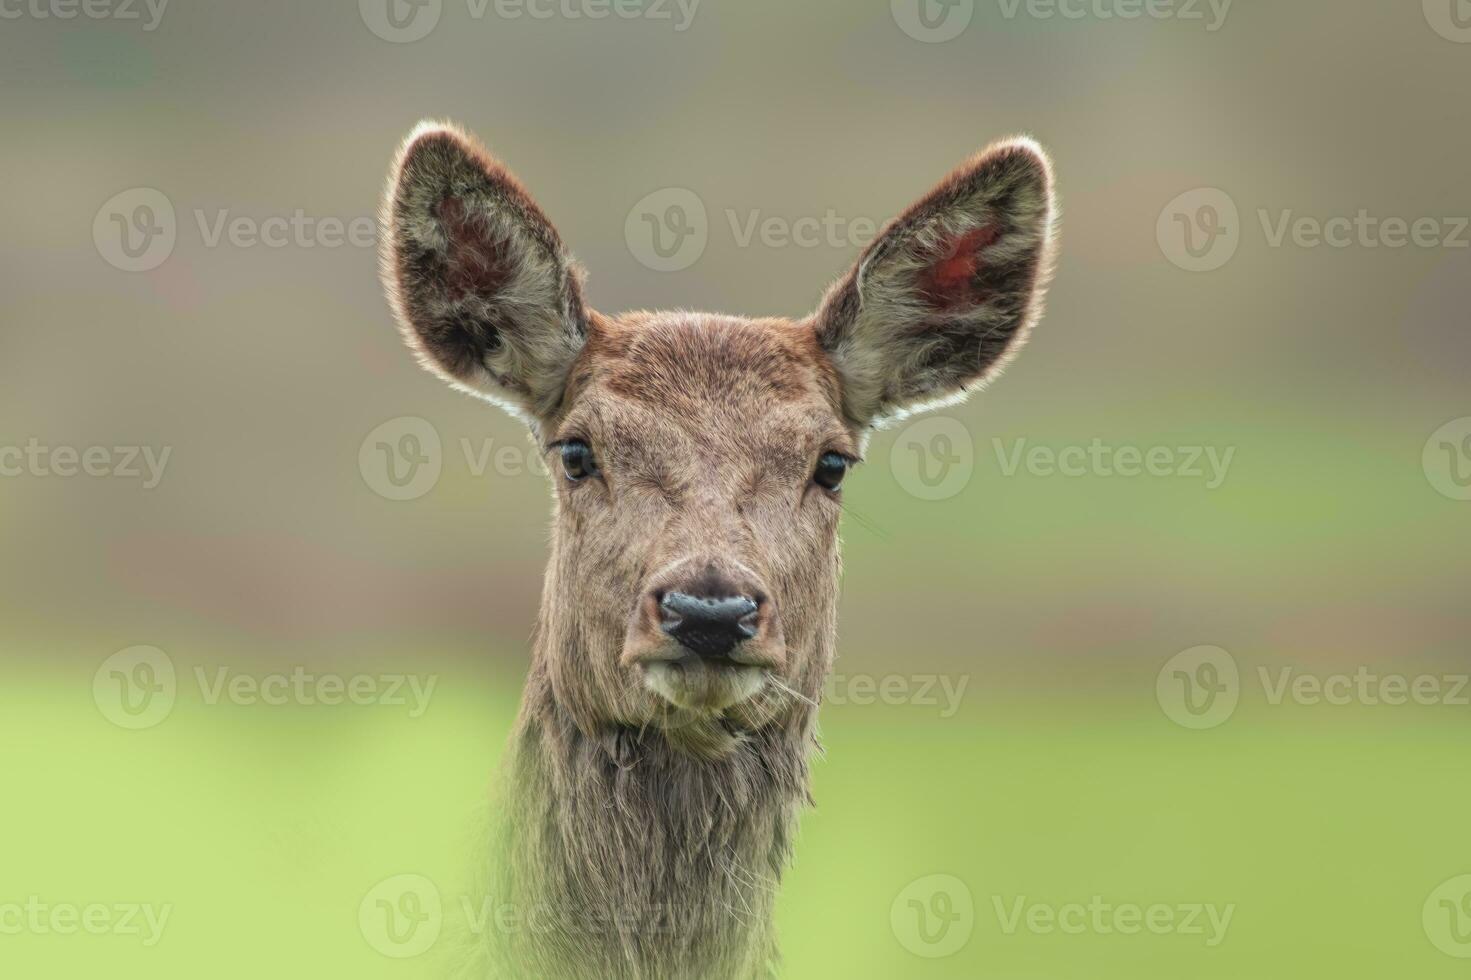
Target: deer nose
708, 627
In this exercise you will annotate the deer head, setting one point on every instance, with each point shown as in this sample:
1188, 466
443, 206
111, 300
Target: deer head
698, 460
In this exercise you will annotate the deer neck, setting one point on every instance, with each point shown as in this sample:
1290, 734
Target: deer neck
638, 859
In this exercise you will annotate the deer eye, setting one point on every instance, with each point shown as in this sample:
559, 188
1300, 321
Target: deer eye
577, 460
831, 468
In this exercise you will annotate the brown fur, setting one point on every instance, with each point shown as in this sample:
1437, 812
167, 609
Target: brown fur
650, 802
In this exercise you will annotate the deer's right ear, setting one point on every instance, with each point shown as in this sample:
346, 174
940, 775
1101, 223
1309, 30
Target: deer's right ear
483, 289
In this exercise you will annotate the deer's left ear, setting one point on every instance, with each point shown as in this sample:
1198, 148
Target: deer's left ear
948, 291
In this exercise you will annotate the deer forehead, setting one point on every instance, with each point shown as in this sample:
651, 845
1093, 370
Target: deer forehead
682, 381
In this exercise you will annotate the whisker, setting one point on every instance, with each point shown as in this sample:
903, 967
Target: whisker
792, 691
866, 523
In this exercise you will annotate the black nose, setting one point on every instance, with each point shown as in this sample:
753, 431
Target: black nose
708, 627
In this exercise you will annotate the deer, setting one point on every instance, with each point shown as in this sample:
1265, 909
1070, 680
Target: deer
660, 759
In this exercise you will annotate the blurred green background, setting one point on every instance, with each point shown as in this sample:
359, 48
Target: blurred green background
1069, 766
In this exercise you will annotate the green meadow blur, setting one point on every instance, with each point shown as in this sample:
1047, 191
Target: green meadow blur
1006, 713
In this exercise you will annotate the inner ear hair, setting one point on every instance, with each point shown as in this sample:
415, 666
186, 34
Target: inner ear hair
484, 291
947, 293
